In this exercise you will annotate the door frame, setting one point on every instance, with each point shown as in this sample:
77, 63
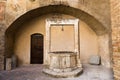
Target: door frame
31, 47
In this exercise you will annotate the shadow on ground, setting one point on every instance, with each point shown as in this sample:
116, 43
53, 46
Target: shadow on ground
34, 72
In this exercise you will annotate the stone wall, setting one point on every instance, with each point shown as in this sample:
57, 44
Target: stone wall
100, 10
87, 38
95, 8
2, 31
115, 17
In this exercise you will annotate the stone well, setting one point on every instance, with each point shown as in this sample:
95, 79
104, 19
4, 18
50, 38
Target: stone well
64, 59
63, 64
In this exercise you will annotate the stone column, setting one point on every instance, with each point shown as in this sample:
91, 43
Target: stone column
115, 18
2, 46
76, 43
2, 31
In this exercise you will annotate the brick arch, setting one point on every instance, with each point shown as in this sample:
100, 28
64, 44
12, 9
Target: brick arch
63, 9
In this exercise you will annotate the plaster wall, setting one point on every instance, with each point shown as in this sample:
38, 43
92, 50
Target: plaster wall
62, 40
88, 42
87, 39
10, 10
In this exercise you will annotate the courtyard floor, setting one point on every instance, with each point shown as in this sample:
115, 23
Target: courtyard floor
34, 72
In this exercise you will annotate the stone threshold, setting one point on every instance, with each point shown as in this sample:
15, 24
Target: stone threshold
73, 73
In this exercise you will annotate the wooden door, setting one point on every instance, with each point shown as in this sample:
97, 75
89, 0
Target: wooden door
36, 48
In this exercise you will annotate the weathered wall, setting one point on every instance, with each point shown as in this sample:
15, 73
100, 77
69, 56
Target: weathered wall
15, 8
62, 40
88, 38
23, 36
2, 31
10, 10
98, 9
105, 50
115, 18
22, 41
93, 7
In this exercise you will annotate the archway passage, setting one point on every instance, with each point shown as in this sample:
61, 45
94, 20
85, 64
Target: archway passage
29, 16
36, 49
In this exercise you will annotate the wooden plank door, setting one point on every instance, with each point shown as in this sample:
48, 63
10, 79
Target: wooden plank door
37, 49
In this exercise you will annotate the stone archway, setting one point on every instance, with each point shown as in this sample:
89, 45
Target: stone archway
95, 25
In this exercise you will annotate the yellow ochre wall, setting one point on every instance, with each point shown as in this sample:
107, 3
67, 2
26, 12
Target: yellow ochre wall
62, 40
88, 39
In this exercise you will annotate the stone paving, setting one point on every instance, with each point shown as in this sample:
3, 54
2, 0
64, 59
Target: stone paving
34, 72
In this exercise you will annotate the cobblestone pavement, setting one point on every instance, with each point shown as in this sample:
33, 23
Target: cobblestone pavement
34, 72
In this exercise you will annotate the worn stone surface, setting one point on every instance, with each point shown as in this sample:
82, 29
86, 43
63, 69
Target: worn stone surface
1, 62
17, 8
94, 60
115, 22
63, 65
105, 49
116, 65
8, 64
34, 72
99, 9
64, 74
14, 8
2, 11
14, 62
2, 45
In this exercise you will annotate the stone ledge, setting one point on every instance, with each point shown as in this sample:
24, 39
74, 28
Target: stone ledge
73, 73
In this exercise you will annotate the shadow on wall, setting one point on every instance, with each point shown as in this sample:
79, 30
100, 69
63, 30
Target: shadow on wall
94, 24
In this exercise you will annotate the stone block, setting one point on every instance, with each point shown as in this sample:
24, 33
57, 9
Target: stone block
1, 66
8, 64
14, 62
95, 60
1, 59
1, 62
2, 10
